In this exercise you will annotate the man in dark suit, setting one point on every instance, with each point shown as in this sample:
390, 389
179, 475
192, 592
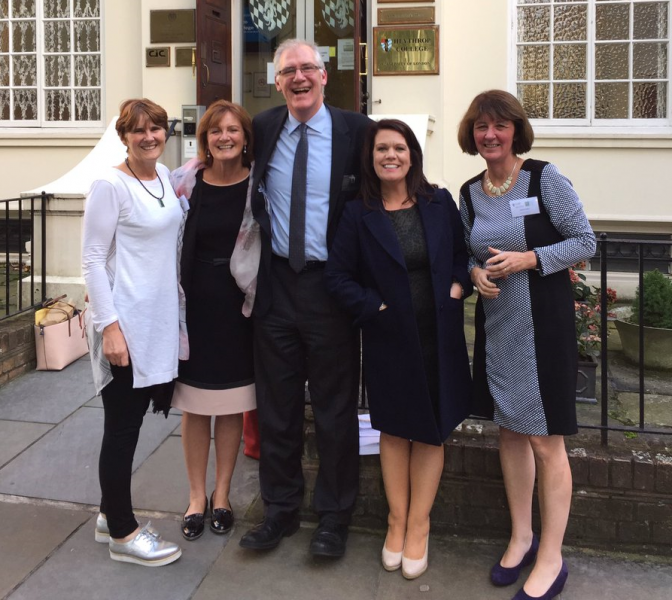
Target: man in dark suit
307, 167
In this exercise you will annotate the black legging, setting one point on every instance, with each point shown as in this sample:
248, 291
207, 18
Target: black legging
125, 408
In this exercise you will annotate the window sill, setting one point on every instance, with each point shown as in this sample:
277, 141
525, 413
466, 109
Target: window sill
601, 137
27, 136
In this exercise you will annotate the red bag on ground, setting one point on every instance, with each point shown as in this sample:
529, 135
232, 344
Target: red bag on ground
251, 434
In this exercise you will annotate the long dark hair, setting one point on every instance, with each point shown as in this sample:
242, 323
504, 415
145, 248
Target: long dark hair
416, 182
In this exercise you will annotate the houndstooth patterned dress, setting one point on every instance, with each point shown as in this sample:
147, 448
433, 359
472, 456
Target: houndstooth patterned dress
525, 351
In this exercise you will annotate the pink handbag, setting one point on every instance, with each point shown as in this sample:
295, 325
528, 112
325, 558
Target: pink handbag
59, 344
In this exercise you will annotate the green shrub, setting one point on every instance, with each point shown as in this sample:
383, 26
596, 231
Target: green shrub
657, 301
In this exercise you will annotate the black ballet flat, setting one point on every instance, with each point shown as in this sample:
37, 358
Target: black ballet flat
193, 525
222, 519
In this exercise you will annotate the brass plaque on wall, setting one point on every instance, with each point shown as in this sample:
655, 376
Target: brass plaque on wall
405, 16
185, 57
172, 26
157, 57
406, 50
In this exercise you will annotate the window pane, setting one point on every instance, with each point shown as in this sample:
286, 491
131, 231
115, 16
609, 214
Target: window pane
87, 105
25, 70
87, 36
650, 100
533, 62
611, 100
87, 8
612, 22
25, 105
534, 23
57, 104
570, 23
4, 105
87, 70
57, 70
4, 9
23, 36
534, 98
23, 9
569, 61
4, 37
650, 21
4, 70
532, 1
611, 61
649, 61
57, 9
57, 36
569, 101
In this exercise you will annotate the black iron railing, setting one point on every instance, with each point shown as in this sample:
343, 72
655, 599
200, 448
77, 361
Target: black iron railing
19, 228
649, 254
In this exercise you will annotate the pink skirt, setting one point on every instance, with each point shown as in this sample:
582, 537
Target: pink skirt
214, 402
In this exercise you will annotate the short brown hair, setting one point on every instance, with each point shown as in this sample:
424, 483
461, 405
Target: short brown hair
496, 104
416, 182
212, 116
131, 111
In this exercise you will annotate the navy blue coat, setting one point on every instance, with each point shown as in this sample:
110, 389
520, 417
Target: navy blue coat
366, 268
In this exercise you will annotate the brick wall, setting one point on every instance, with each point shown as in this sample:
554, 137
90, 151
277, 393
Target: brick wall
17, 346
622, 493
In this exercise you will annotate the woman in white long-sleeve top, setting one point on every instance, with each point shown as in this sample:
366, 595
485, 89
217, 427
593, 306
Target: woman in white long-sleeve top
131, 226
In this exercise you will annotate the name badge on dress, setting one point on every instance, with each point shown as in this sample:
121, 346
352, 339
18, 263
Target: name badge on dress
524, 206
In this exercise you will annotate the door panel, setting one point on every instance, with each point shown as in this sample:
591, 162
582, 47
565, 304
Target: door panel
213, 50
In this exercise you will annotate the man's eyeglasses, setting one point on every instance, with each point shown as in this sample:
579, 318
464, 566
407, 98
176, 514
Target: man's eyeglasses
306, 69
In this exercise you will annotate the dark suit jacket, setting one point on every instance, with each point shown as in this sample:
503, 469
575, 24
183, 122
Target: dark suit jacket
365, 268
348, 129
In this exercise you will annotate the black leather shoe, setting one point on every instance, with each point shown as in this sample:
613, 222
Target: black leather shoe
267, 534
222, 518
193, 525
329, 540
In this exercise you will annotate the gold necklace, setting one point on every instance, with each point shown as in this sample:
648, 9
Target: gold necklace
498, 191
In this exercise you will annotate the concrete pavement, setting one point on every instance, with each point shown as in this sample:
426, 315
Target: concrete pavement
50, 430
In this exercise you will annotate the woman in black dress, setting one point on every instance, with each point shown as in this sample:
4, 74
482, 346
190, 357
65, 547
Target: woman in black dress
399, 265
218, 378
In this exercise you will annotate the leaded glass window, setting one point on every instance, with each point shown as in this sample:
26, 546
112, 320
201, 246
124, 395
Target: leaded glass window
50, 63
594, 62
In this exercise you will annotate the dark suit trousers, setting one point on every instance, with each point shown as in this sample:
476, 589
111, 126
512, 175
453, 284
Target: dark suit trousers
306, 336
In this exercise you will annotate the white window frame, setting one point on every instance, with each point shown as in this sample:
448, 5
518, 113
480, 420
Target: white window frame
41, 124
590, 125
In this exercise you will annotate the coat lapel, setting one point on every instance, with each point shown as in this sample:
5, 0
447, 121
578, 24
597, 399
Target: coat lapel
340, 142
380, 226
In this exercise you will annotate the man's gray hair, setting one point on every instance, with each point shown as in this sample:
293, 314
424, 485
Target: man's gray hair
294, 43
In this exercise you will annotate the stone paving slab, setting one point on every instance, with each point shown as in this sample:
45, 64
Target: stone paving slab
17, 436
47, 396
26, 541
82, 570
290, 573
63, 465
161, 482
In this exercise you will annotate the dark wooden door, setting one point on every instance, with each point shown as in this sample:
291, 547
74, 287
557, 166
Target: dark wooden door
213, 50
361, 74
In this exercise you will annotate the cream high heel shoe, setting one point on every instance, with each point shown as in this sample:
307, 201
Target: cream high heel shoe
412, 568
391, 560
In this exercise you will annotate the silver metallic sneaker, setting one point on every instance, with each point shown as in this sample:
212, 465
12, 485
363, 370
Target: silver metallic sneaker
102, 532
146, 549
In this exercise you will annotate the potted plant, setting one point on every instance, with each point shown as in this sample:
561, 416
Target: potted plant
656, 321
587, 318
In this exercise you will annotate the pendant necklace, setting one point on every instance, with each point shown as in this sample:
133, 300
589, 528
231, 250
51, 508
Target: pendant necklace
163, 191
498, 191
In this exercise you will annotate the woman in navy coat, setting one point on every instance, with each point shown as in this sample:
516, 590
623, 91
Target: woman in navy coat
399, 265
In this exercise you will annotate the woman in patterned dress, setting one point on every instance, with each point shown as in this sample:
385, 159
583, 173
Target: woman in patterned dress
524, 226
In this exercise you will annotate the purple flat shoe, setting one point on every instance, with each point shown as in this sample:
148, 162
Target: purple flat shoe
553, 591
501, 576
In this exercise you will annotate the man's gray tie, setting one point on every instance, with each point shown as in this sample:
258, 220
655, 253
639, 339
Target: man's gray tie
297, 212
